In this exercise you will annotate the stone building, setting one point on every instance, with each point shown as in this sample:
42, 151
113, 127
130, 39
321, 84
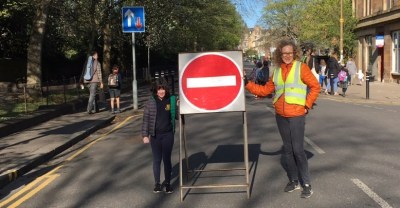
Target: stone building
256, 39
378, 32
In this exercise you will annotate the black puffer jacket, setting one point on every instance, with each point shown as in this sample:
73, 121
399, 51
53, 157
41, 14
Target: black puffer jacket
333, 67
149, 117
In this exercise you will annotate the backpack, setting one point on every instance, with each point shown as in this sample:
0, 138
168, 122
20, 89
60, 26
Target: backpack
260, 75
342, 75
89, 69
113, 80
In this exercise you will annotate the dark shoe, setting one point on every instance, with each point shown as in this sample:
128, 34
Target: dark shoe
168, 189
291, 186
157, 188
306, 192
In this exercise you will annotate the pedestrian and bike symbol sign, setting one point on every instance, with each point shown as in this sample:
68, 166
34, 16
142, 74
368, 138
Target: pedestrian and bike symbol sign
133, 19
211, 82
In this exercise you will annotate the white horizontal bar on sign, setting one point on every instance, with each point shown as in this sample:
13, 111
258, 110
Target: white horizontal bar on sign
219, 81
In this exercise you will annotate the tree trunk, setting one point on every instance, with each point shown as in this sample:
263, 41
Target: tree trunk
34, 59
108, 5
106, 48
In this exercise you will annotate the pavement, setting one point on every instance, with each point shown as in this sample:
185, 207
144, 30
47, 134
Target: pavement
379, 93
26, 143
30, 142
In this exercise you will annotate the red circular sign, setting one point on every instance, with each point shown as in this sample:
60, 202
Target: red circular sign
211, 82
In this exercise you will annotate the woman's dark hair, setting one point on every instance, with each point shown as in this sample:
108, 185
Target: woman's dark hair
93, 52
160, 83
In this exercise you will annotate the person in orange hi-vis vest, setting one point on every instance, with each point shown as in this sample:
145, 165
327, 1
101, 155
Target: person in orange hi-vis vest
289, 83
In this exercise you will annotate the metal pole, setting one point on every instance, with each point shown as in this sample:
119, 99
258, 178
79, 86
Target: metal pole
331, 82
134, 82
148, 59
367, 85
341, 31
180, 156
246, 153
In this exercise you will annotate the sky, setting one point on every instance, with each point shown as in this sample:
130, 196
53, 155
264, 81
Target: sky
250, 10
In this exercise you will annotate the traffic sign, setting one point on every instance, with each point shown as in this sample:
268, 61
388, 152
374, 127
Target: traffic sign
211, 82
133, 19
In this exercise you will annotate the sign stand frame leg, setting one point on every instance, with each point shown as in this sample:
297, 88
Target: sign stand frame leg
183, 147
246, 152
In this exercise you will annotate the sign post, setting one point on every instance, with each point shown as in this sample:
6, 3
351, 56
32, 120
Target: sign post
133, 21
211, 82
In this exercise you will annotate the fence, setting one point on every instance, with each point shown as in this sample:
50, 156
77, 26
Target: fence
21, 98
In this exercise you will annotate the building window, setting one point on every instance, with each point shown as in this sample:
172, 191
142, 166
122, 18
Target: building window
396, 52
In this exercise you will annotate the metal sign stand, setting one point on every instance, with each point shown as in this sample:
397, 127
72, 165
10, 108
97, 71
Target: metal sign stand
183, 151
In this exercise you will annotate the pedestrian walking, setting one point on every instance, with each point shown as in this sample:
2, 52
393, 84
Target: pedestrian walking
352, 69
93, 78
333, 71
114, 88
158, 129
289, 82
322, 74
256, 75
360, 76
263, 74
343, 79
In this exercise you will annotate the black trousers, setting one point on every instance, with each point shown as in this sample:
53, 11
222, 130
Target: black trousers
161, 146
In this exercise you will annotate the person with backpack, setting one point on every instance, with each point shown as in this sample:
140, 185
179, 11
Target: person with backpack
263, 73
92, 76
114, 88
343, 79
159, 115
256, 75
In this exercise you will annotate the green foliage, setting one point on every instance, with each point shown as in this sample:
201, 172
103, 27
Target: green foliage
75, 27
315, 21
283, 17
15, 17
321, 24
251, 53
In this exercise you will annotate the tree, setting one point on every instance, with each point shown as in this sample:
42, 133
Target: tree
322, 27
315, 21
283, 18
34, 67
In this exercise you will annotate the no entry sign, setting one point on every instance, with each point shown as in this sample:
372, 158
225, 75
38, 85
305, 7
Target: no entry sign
211, 82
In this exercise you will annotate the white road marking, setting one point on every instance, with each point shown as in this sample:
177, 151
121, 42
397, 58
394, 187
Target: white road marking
306, 139
370, 193
218, 81
313, 145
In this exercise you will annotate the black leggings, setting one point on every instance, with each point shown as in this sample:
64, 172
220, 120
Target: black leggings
161, 146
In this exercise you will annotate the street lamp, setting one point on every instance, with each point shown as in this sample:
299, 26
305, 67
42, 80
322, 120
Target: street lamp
341, 31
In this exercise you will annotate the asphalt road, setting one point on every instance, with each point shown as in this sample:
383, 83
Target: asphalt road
353, 152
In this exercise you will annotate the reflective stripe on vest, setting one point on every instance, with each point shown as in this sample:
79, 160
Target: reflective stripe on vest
294, 89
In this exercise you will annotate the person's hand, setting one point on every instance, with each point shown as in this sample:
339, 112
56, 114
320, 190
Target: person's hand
306, 110
245, 80
101, 85
146, 140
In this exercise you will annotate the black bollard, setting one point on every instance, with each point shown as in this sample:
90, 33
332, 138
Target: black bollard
331, 81
367, 77
173, 81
